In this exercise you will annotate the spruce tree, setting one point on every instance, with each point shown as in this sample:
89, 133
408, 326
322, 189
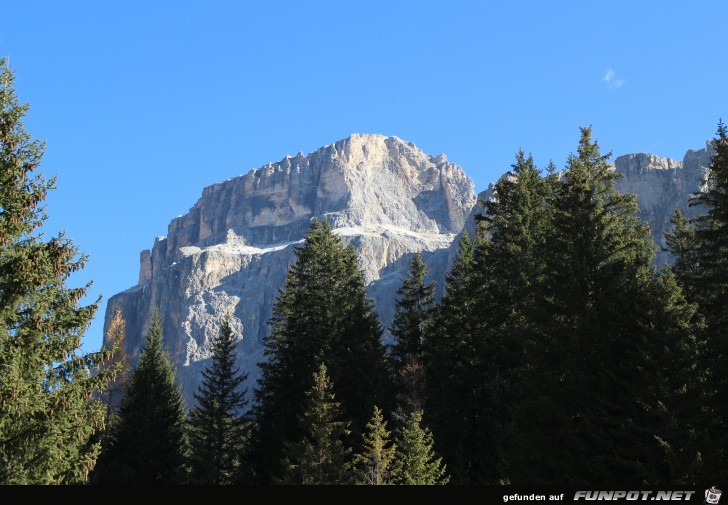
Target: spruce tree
682, 244
509, 269
218, 428
414, 311
415, 462
373, 465
321, 316
710, 291
591, 405
451, 363
319, 457
49, 407
149, 446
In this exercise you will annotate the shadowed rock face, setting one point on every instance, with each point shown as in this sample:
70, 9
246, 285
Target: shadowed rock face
661, 184
232, 250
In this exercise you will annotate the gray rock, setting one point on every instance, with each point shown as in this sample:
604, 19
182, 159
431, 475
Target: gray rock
232, 250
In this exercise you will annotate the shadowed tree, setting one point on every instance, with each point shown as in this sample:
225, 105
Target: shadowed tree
218, 429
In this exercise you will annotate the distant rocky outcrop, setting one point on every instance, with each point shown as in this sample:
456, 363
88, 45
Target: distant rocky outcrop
232, 250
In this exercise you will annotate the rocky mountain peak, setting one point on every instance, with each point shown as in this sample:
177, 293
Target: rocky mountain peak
232, 250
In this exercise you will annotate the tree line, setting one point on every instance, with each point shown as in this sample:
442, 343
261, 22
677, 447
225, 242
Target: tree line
558, 353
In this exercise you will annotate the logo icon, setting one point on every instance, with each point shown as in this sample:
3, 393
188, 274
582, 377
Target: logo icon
712, 495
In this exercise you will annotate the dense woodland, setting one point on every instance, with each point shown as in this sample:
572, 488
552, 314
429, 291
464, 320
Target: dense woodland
558, 353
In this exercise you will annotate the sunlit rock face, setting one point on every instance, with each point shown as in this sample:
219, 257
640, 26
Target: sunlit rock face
232, 250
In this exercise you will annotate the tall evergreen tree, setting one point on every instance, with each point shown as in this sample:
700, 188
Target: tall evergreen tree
149, 446
681, 242
595, 374
322, 316
710, 291
373, 465
48, 407
319, 457
218, 429
415, 462
451, 363
414, 313
509, 269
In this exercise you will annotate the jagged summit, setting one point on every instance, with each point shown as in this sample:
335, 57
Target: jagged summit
231, 251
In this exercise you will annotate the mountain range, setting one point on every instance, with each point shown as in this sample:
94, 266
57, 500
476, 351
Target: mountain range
231, 252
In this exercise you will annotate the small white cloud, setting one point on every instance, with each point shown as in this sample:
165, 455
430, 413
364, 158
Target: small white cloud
610, 78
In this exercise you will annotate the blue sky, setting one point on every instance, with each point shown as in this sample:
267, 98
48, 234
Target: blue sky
142, 104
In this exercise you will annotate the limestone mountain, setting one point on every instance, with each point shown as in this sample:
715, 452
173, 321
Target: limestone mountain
232, 250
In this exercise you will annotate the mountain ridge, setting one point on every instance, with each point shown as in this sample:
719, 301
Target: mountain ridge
232, 249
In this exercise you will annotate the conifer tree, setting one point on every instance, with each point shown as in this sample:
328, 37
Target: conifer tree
710, 291
451, 363
373, 465
682, 244
595, 373
509, 269
49, 407
415, 462
218, 428
414, 311
319, 457
149, 446
321, 316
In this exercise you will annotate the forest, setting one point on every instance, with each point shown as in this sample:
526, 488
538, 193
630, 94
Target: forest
559, 353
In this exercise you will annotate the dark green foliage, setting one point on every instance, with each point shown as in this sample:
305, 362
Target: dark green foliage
373, 465
682, 244
319, 456
510, 270
451, 372
148, 447
415, 462
218, 429
483, 322
591, 405
48, 407
414, 311
709, 289
321, 316
413, 315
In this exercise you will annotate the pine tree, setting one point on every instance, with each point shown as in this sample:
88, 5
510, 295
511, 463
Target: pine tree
710, 291
415, 462
321, 316
49, 407
218, 429
149, 445
319, 457
373, 465
595, 375
414, 312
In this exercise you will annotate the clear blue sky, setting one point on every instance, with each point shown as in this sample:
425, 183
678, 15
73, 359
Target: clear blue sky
142, 104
